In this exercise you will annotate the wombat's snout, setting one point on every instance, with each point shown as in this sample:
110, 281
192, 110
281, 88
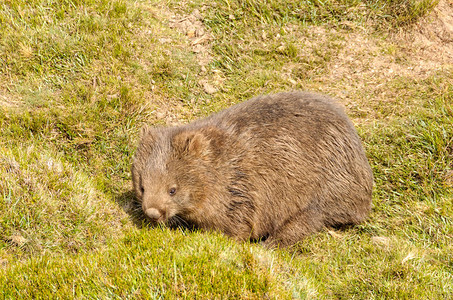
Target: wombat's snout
154, 214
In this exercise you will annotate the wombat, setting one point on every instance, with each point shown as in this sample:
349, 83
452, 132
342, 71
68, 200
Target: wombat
274, 168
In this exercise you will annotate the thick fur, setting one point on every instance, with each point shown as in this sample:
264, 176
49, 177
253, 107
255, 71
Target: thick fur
277, 167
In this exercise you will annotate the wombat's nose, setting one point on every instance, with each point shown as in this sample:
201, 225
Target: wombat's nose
153, 213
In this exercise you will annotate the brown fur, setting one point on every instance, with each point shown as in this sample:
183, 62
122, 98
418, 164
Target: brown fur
278, 167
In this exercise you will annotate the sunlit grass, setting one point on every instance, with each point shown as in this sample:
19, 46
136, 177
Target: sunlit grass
80, 78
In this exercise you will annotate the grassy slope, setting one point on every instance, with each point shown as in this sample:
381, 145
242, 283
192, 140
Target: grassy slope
79, 78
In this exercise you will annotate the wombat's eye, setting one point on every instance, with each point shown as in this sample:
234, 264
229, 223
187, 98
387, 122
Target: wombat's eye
172, 191
142, 189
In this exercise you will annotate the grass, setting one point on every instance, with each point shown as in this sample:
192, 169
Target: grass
80, 78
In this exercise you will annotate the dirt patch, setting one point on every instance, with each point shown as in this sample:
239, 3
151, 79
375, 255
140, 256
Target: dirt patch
199, 36
368, 64
433, 36
199, 40
414, 52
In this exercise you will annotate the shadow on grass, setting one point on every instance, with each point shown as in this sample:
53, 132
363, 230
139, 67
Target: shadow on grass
131, 206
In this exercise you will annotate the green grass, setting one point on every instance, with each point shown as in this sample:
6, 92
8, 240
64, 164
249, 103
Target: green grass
80, 78
145, 265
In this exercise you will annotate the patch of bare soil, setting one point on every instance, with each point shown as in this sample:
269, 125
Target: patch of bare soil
433, 36
199, 37
199, 40
414, 52
367, 63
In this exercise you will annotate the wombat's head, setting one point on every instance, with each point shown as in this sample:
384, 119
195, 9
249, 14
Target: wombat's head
171, 170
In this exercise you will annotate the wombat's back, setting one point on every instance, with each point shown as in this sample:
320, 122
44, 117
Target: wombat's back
301, 158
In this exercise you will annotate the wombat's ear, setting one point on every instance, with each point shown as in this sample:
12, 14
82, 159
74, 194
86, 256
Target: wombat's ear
196, 142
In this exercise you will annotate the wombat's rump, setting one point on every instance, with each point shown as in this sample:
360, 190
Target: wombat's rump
277, 167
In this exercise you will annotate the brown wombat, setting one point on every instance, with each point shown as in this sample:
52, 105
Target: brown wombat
276, 167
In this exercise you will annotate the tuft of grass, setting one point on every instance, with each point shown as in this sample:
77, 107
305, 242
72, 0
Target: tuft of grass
48, 205
395, 13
